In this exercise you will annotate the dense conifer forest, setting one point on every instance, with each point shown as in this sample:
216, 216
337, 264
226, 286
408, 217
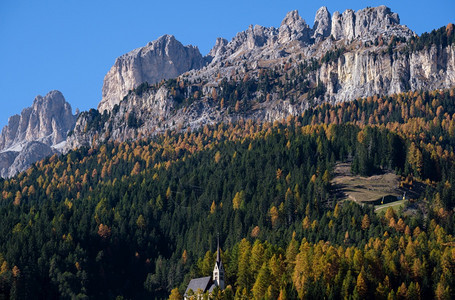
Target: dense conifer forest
139, 219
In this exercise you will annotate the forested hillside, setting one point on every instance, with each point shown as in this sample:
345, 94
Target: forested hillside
140, 218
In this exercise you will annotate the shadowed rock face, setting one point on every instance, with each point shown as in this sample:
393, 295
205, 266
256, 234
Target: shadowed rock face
6, 160
162, 59
29, 136
32, 152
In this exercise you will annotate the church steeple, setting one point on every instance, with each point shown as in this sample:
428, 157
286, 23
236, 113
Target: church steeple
218, 256
218, 270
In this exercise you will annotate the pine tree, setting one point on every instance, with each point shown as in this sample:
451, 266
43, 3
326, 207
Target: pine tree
262, 282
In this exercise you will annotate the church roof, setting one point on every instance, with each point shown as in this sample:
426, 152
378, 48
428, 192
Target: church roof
211, 288
202, 283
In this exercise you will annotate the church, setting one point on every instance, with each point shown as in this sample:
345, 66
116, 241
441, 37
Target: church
199, 286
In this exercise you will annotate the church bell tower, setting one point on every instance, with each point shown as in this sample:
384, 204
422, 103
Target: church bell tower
218, 270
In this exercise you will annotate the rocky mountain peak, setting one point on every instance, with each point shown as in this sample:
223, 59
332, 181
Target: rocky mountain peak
219, 48
167, 58
163, 43
293, 27
162, 39
52, 98
52, 106
48, 120
322, 24
46, 123
372, 19
161, 59
367, 24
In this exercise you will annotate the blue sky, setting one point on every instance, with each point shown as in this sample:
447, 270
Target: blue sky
69, 45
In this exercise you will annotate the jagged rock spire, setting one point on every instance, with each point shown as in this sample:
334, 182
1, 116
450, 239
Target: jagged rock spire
293, 27
322, 24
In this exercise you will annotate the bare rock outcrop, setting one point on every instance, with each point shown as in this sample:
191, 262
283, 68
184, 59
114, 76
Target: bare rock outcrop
372, 20
48, 120
218, 49
6, 160
294, 28
162, 59
367, 24
343, 25
46, 123
32, 152
322, 24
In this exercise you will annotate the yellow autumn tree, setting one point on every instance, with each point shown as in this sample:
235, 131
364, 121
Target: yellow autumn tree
274, 215
214, 94
213, 207
361, 285
217, 156
175, 294
238, 200
184, 256
17, 199
136, 169
365, 222
255, 232
104, 231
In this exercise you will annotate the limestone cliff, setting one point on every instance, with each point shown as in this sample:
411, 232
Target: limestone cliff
162, 59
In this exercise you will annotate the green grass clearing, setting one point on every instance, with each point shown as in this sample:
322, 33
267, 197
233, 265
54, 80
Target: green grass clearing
395, 205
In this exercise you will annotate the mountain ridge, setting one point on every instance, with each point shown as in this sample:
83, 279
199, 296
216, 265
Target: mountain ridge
263, 73
267, 73
159, 59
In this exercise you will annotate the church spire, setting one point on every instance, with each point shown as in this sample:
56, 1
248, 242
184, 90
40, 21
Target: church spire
218, 270
218, 256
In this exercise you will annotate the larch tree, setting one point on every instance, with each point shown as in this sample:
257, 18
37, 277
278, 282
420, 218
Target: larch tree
175, 295
361, 285
365, 222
